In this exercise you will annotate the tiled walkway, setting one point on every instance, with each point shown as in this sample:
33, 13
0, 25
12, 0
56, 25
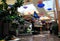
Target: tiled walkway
40, 37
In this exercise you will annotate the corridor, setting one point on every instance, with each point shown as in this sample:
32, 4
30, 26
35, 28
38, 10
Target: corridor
31, 17
41, 37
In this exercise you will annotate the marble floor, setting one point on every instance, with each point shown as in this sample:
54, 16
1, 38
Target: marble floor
40, 37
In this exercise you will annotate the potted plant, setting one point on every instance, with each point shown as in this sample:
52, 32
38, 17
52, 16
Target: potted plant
8, 17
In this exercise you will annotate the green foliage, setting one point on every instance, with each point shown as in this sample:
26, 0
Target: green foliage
3, 1
21, 21
5, 6
1, 7
3, 14
14, 25
13, 10
19, 3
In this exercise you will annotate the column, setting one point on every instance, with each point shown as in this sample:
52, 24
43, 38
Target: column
58, 14
58, 23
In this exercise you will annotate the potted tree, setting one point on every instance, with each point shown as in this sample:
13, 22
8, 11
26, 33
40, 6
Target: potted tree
7, 17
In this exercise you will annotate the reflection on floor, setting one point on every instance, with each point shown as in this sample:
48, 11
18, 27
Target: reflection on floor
44, 36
